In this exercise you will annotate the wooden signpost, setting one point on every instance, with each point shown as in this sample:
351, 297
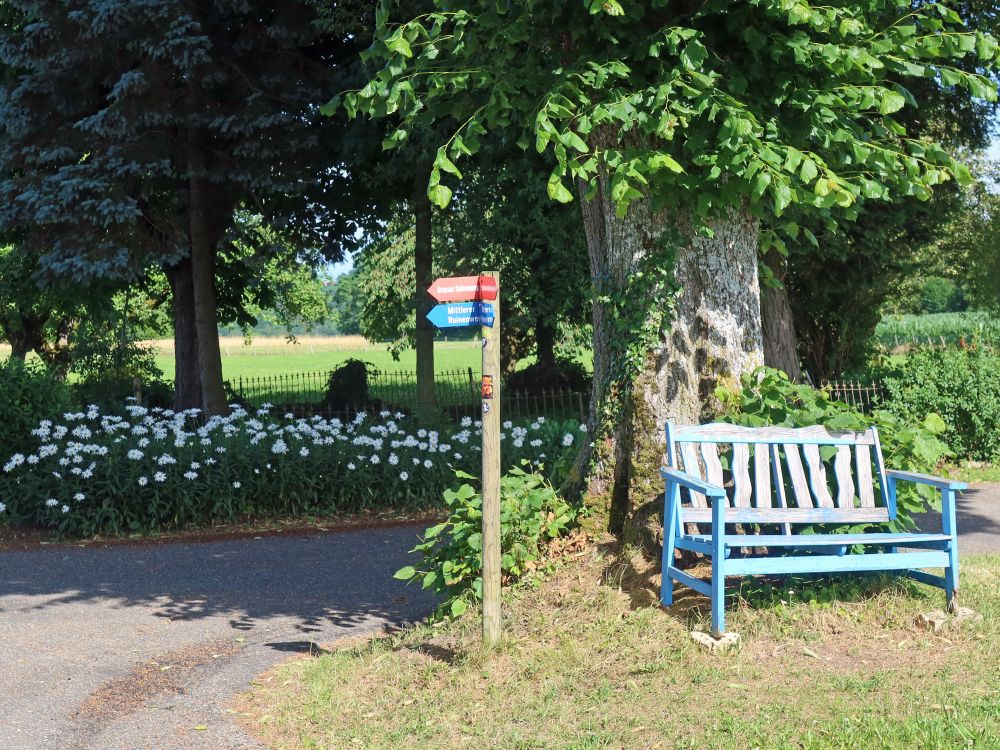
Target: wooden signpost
472, 291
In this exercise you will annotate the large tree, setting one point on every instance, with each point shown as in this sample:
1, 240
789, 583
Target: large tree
43, 319
866, 261
135, 131
682, 124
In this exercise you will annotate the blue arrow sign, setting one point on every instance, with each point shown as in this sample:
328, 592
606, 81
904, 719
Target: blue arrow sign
459, 314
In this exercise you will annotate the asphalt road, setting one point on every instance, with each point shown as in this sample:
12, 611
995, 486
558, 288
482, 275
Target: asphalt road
85, 632
977, 512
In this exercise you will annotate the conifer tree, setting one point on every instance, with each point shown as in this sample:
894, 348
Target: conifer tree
134, 132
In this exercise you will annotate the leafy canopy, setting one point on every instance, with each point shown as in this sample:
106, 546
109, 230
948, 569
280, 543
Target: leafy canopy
782, 101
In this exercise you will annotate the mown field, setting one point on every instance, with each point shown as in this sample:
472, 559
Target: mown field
271, 356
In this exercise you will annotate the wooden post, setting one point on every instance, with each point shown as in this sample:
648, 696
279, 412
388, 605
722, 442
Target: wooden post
491, 474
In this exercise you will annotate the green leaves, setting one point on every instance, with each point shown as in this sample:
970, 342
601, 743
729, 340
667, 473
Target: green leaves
780, 102
397, 43
531, 514
405, 573
440, 195
892, 101
558, 191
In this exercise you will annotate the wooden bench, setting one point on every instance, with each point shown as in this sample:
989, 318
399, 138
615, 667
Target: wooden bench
778, 478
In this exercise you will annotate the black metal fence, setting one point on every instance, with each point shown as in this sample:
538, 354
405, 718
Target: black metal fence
458, 395
864, 396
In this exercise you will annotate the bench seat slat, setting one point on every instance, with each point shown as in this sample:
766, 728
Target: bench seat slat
692, 467
713, 466
742, 487
817, 476
866, 484
761, 476
740, 566
845, 482
789, 515
821, 540
800, 487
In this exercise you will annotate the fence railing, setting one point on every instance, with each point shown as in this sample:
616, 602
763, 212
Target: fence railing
862, 395
457, 392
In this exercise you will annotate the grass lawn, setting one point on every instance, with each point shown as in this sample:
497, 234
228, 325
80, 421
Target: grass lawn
974, 471
590, 662
275, 356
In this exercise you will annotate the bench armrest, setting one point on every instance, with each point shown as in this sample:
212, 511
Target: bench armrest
692, 482
939, 482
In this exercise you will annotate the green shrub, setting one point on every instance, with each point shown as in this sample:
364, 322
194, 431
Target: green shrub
963, 386
767, 397
532, 514
29, 392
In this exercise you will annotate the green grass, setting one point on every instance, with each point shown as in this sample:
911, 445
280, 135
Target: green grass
937, 329
589, 661
970, 471
280, 359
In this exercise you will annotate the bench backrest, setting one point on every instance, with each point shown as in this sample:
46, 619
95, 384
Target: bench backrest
781, 474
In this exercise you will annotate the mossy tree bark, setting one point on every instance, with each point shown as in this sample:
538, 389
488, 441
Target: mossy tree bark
676, 315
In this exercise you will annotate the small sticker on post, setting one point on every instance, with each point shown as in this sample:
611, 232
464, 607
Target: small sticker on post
487, 386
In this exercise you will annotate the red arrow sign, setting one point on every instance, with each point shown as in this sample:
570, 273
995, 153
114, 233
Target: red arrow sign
463, 288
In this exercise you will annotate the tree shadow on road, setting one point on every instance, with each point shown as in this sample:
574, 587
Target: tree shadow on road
320, 582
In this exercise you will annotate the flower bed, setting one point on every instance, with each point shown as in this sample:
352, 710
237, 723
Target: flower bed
94, 473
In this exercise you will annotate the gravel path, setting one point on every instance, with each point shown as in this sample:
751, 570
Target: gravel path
89, 637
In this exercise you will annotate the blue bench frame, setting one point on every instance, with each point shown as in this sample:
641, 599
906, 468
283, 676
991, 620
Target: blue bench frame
935, 550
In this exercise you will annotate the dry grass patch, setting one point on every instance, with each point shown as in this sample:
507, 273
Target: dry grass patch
163, 675
589, 662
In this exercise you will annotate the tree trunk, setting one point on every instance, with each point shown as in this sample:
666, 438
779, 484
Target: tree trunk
661, 346
22, 337
545, 344
779, 327
57, 354
203, 246
19, 348
424, 256
187, 366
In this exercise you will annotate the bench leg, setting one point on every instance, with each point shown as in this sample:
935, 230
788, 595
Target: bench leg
718, 599
718, 569
948, 526
670, 500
